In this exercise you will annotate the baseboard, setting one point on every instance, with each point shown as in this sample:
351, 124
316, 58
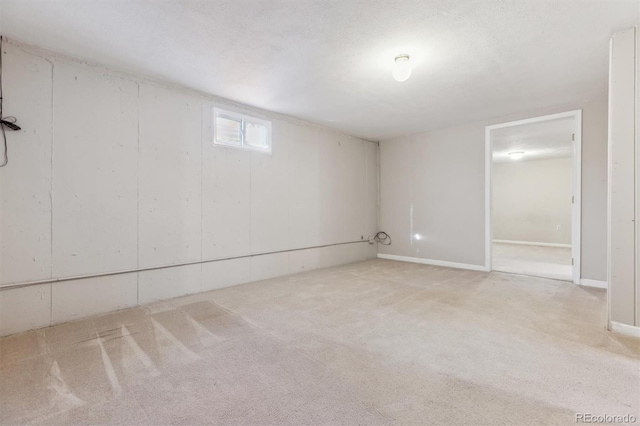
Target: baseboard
433, 262
593, 283
532, 243
626, 329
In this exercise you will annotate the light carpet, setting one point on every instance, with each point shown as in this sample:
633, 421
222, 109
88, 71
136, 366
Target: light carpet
371, 343
537, 261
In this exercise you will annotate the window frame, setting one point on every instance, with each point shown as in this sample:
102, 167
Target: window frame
243, 119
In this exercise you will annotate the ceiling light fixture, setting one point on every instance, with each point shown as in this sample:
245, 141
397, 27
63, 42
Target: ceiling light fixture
402, 68
516, 155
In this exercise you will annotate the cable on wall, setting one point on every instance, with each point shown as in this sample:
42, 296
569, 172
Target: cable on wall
382, 238
174, 265
8, 122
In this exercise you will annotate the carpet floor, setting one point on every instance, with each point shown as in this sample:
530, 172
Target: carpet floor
370, 343
537, 261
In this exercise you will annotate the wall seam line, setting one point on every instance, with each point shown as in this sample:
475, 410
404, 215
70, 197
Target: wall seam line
138, 202
202, 142
51, 191
635, 201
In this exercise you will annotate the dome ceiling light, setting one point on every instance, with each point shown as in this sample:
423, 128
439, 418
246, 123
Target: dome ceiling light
402, 68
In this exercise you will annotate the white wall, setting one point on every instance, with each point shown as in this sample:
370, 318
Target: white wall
432, 184
530, 199
113, 172
432, 188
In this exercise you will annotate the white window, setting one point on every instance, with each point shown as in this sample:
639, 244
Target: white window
241, 131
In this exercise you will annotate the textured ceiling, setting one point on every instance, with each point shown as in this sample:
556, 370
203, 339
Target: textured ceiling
329, 61
543, 140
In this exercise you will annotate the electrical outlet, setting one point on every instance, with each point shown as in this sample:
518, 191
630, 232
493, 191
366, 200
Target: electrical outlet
558, 228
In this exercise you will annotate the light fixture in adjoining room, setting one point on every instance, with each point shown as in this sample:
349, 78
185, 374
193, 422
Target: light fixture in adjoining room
516, 155
401, 68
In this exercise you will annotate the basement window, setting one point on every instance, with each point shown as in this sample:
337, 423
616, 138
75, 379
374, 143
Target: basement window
241, 131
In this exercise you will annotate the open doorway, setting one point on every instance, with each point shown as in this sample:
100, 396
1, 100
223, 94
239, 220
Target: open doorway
533, 196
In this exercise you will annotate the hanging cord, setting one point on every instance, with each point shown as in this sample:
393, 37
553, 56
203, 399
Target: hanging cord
383, 238
9, 122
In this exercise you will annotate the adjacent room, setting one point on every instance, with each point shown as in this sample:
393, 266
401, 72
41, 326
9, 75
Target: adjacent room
532, 186
319, 212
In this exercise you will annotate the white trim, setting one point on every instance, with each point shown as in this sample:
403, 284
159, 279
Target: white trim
433, 262
593, 283
626, 329
533, 243
576, 207
576, 185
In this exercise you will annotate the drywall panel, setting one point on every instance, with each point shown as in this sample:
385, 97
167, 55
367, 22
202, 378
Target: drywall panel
169, 177
269, 266
444, 225
323, 257
95, 161
371, 190
370, 251
226, 197
75, 299
437, 182
622, 174
225, 273
330, 190
304, 260
352, 188
136, 172
334, 255
167, 283
25, 183
356, 252
269, 195
305, 207
25, 308
396, 203
531, 199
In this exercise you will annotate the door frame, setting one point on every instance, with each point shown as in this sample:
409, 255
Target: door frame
576, 185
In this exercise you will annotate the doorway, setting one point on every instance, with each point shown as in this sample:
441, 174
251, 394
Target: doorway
532, 187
